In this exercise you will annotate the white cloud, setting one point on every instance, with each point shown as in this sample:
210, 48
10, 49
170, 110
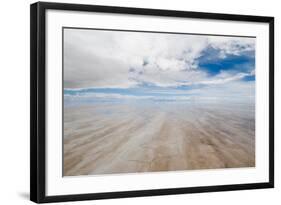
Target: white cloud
234, 46
123, 59
225, 78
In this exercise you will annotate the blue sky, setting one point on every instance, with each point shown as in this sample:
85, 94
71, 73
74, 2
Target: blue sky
213, 64
148, 65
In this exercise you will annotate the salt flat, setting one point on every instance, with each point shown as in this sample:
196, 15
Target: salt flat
110, 138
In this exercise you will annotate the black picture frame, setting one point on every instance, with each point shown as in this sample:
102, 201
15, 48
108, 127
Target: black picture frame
38, 101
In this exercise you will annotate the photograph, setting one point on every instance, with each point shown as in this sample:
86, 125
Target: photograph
148, 101
135, 102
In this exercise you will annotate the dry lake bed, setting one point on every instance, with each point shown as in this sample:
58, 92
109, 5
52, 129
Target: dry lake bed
111, 138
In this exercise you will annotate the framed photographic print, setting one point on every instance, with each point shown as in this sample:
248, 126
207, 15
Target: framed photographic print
129, 102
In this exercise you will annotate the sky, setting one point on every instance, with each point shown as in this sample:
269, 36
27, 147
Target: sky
121, 64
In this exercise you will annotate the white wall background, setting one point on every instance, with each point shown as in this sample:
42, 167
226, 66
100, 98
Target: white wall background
14, 100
